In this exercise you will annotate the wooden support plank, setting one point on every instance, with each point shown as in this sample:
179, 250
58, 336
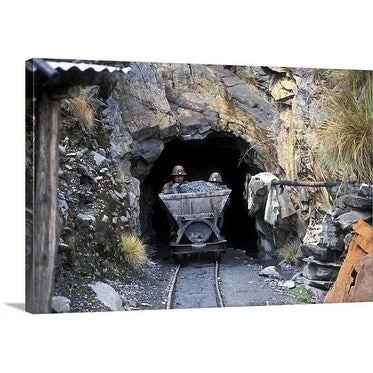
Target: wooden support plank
45, 225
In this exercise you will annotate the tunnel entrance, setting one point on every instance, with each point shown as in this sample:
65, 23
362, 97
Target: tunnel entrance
220, 152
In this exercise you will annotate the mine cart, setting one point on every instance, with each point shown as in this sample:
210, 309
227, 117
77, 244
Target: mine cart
197, 216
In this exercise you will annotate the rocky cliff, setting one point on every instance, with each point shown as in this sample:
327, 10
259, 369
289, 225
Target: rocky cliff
274, 110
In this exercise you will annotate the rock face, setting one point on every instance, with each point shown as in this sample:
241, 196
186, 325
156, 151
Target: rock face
94, 198
164, 101
273, 110
156, 102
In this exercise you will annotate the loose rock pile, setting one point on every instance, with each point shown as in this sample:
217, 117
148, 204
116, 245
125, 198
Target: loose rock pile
323, 256
92, 196
97, 203
198, 186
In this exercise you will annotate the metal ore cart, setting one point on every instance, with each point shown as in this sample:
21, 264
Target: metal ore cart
197, 215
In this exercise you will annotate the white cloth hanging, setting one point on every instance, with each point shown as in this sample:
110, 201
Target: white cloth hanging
277, 199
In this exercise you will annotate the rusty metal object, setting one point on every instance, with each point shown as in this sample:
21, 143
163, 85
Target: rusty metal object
319, 184
355, 278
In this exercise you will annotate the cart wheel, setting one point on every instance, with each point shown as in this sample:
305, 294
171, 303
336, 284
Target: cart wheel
217, 255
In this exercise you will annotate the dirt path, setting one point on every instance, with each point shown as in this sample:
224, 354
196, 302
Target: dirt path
241, 284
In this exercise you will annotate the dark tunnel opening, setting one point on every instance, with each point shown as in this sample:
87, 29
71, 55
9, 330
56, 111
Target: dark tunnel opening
219, 152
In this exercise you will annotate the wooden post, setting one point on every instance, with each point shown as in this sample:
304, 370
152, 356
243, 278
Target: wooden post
45, 215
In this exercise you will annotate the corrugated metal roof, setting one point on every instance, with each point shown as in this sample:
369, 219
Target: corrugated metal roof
82, 66
49, 74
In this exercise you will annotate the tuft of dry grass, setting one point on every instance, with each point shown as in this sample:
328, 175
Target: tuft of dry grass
289, 252
82, 108
346, 135
133, 250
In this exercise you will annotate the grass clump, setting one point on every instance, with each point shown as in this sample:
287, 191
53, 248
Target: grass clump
132, 250
289, 252
300, 293
345, 137
82, 108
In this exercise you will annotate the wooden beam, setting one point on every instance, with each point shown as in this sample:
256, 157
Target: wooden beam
45, 224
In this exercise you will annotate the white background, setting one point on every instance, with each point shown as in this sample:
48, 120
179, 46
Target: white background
282, 338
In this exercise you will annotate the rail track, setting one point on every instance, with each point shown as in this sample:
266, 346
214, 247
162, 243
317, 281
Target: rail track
195, 285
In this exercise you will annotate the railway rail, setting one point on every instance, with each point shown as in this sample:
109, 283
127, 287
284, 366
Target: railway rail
195, 286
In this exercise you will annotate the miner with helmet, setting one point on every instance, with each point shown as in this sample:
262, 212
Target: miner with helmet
215, 179
178, 177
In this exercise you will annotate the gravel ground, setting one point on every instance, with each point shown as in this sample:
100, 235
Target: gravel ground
147, 289
139, 290
242, 285
195, 285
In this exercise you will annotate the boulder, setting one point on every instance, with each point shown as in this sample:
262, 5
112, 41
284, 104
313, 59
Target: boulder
270, 272
107, 295
98, 159
331, 235
345, 221
60, 304
315, 271
319, 253
318, 284
288, 284
366, 190
85, 217
312, 235
358, 202
317, 294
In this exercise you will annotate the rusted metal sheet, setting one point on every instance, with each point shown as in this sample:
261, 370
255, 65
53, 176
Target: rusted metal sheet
355, 278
